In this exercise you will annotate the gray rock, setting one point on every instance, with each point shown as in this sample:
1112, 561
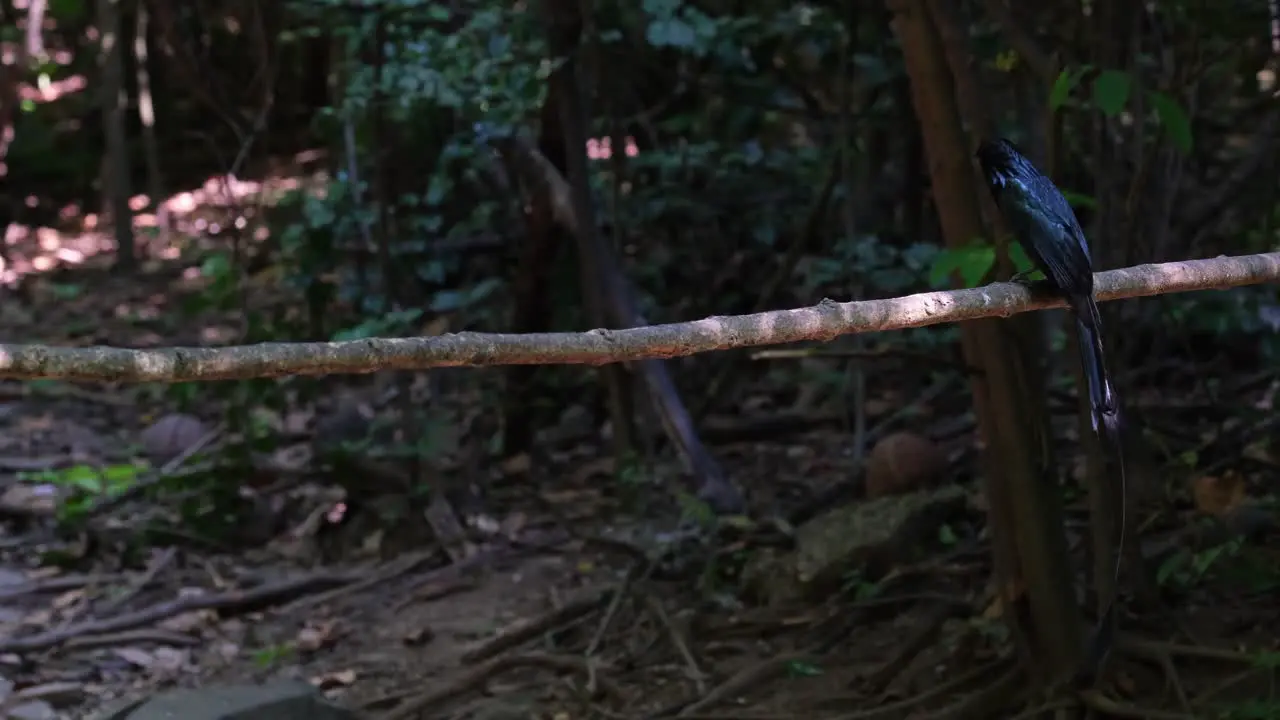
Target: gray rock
289, 700
873, 535
35, 710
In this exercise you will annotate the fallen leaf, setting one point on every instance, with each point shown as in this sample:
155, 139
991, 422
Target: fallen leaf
227, 650
1218, 495
419, 636
25, 499
517, 464
1258, 451
1010, 593
338, 678
67, 599
189, 622
135, 656
438, 325
315, 637
170, 659
36, 710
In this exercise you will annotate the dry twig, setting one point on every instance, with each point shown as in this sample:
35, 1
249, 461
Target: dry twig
238, 600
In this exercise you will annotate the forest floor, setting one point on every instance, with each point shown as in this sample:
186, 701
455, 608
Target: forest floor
569, 592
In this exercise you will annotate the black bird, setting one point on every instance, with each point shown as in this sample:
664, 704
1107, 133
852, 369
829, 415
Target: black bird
1046, 227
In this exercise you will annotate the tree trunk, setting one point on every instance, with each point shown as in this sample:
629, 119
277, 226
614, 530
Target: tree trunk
147, 118
565, 26
1032, 570
115, 186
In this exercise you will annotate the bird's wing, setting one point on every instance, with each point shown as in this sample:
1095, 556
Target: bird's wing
1062, 249
1057, 207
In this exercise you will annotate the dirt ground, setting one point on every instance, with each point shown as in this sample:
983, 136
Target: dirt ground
530, 621
555, 611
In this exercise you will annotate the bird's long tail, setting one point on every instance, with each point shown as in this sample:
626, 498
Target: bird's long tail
1104, 411
1103, 408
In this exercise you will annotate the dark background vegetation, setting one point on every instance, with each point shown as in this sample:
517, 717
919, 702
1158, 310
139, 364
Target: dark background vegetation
239, 171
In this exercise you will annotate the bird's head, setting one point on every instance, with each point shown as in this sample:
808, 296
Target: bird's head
1001, 161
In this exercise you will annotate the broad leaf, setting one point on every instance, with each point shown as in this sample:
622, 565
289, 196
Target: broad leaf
1111, 91
971, 263
1174, 120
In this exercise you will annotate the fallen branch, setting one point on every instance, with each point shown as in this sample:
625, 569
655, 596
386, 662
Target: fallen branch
530, 629
227, 602
745, 680
1104, 705
416, 702
823, 322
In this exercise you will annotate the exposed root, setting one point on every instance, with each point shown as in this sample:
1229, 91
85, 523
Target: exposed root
742, 681
982, 704
1156, 650
415, 703
1098, 702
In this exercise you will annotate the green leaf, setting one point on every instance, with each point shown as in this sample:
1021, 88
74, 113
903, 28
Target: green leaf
66, 291
674, 32
1174, 120
1267, 660
216, 266
67, 11
797, 668
1111, 91
448, 301
438, 189
972, 263
661, 8
1080, 199
1021, 263
1062, 88
1169, 569
1065, 84
946, 535
116, 474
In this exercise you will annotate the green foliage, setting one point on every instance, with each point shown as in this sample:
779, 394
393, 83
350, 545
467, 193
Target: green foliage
694, 510
800, 668
855, 585
1174, 120
443, 73
273, 655
1232, 562
68, 11
1185, 569
86, 485
1067, 81
1251, 710
1245, 312
1112, 90
885, 266
972, 263
390, 325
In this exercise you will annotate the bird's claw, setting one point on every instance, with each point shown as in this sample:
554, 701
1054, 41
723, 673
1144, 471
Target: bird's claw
1023, 278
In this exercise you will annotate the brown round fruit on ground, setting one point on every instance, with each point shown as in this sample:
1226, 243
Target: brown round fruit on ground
903, 462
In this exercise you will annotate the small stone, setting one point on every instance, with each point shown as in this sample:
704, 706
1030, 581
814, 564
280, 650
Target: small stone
34, 710
288, 700
171, 435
